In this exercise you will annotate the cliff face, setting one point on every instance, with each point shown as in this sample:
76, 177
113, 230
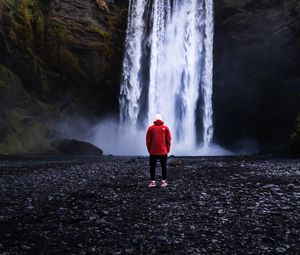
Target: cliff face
295, 138
60, 46
23, 119
256, 75
57, 57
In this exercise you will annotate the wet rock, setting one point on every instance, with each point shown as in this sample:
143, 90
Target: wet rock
129, 251
281, 249
50, 197
25, 247
78, 148
104, 212
101, 221
93, 217
161, 238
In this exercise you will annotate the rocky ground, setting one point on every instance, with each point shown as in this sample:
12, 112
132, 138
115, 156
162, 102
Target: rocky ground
226, 205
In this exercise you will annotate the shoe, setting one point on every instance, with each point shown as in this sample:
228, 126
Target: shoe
164, 183
152, 184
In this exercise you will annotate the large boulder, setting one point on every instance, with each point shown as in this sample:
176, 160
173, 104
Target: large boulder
78, 148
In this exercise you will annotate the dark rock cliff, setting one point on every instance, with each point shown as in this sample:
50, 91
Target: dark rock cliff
257, 72
64, 57
295, 138
57, 57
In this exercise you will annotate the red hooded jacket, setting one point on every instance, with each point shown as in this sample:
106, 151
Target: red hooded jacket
158, 139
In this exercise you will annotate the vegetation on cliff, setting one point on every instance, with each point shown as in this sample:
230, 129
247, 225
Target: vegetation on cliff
65, 57
295, 137
23, 119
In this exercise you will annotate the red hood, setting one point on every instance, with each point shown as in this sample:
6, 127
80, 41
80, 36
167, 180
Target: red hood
158, 122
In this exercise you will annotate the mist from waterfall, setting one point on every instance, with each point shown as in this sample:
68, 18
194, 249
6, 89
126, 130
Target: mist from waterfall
167, 69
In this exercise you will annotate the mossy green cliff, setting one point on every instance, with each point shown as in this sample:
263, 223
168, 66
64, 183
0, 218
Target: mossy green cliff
57, 58
295, 138
23, 119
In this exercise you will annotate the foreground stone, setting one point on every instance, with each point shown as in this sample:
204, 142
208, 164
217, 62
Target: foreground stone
103, 206
78, 148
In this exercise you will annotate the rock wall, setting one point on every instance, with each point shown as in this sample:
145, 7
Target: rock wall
256, 75
61, 57
295, 138
23, 119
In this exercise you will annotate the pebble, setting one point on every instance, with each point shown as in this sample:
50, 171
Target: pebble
101, 221
25, 247
281, 249
50, 198
161, 238
93, 217
104, 212
129, 251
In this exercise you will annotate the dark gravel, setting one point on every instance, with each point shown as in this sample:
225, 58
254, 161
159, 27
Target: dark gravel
229, 205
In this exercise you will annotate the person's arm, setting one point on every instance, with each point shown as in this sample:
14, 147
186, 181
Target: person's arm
148, 139
168, 139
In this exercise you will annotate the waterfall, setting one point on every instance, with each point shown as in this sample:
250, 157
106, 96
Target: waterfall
131, 87
167, 68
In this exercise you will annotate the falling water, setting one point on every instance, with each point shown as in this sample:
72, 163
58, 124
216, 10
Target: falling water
168, 68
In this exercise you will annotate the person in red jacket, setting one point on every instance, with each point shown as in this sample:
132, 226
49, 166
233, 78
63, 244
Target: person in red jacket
158, 141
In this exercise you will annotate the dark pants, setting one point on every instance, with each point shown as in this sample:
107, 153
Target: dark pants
163, 163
